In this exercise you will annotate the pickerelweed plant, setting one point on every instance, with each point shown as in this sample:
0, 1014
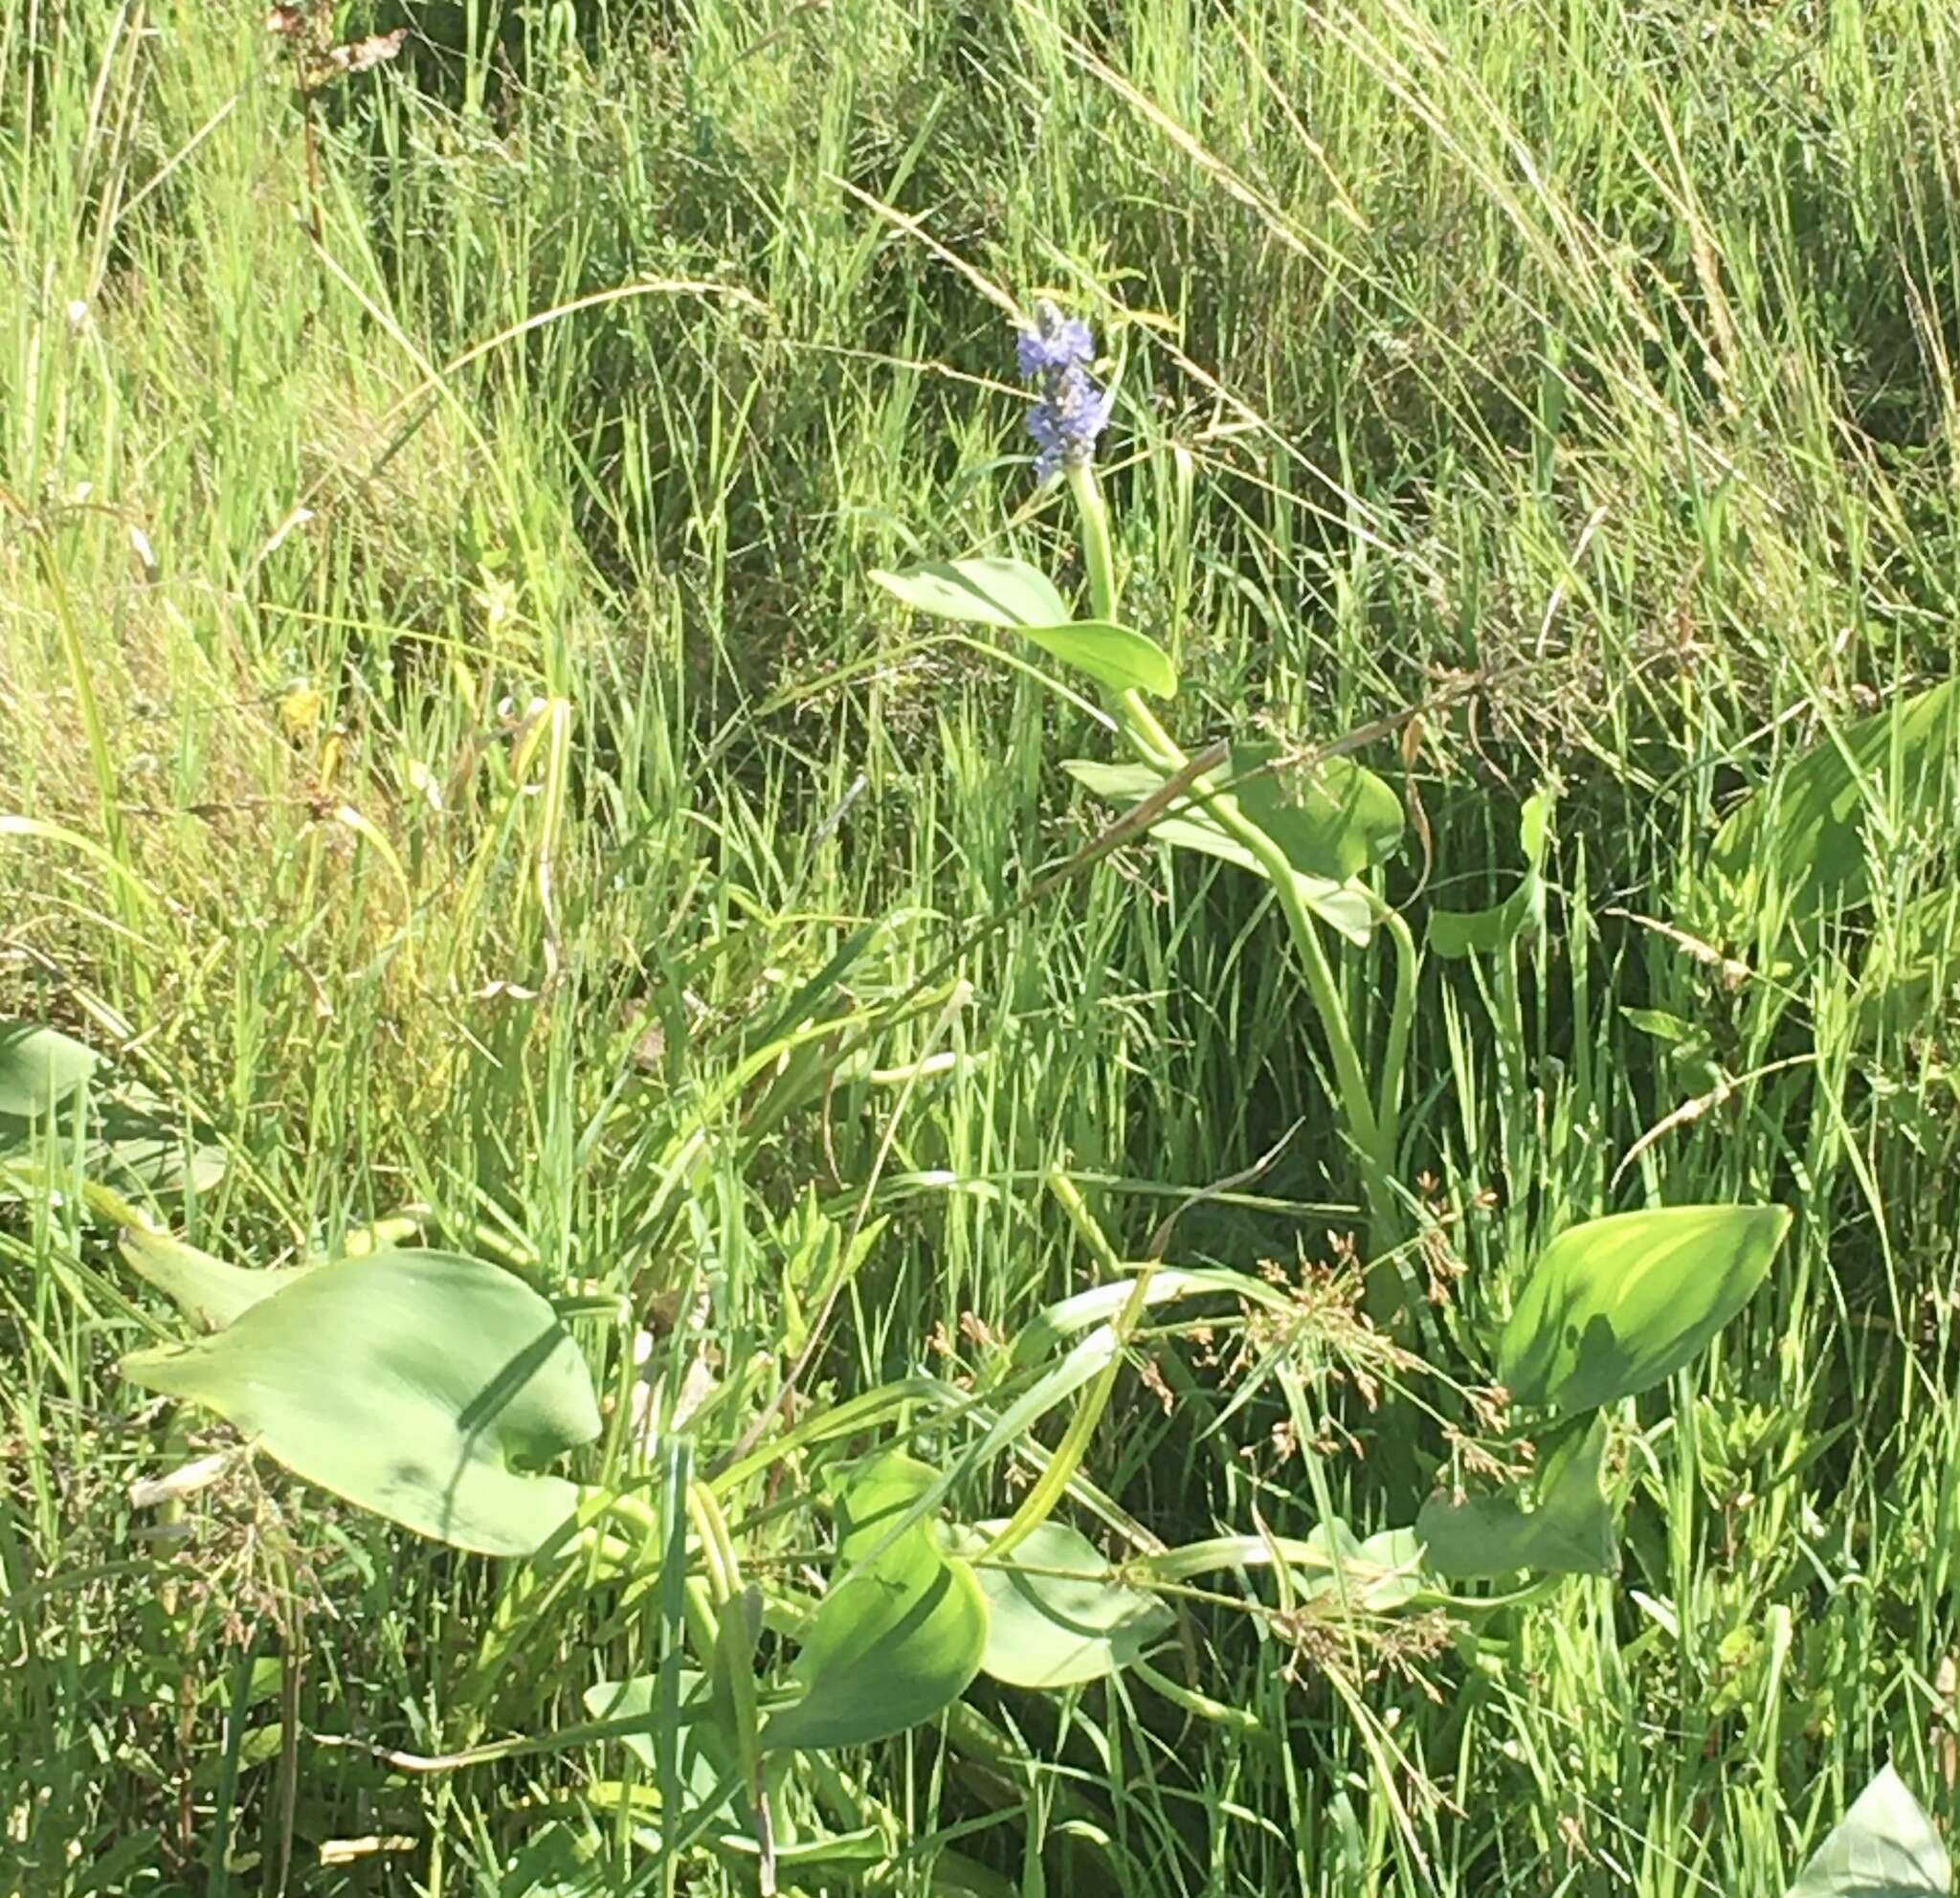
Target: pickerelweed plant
675, 1547
1314, 825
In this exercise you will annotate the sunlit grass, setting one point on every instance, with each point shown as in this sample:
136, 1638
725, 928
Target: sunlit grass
494, 748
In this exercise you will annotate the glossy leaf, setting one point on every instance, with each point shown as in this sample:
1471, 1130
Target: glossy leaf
1616, 1304
1057, 1615
1802, 838
419, 1385
899, 1636
1117, 656
988, 592
39, 1069
1566, 1530
1455, 933
1343, 907
1883, 1848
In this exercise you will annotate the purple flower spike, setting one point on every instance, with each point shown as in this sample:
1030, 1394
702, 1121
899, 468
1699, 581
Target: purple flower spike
1071, 409
1056, 344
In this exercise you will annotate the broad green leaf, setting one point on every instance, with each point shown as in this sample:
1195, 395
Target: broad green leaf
900, 1636
1376, 1576
702, 1769
142, 1145
988, 592
133, 1143
202, 1288
1662, 1025
419, 1385
1332, 817
1456, 934
1344, 906
1801, 838
1057, 1615
1883, 1848
1117, 656
1619, 1304
39, 1068
1568, 1530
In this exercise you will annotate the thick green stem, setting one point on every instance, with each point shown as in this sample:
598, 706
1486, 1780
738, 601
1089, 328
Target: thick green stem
1099, 554
1372, 1131
1388, 1113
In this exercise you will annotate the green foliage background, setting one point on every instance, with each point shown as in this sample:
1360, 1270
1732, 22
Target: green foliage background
445, 718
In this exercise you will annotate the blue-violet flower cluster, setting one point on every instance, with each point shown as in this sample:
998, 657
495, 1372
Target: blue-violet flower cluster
1071, 410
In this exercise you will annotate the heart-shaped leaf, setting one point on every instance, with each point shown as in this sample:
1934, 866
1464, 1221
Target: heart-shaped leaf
39, 1069
419, 1385
1883, 1848
902, 1634
1117, 656
1568, 1531
1344, 906
1808, 836
988, 592
1619, 1304
1376, 1576
1332, 817
1455, 933
1057, 1615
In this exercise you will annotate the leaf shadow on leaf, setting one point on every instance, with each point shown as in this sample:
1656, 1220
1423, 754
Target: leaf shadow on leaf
478, 1419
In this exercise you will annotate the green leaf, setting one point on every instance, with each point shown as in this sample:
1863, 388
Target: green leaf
1910, 969
1343, 907
1456, 934
638, 1696
1332, 817
1376, 1575
1568, 1530
141, 1145
1117, 656
1009, 593
989, 592
1883, 1848
39, 1069
134, 1143
415, 1384
1662, 1025
1619, 1304
202, 1288
1057, 1615
1801, 837
902, 1636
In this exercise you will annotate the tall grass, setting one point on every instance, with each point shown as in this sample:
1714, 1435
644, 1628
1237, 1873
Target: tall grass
439, 670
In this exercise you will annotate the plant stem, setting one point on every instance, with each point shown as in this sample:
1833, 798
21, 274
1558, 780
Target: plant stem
1098, 552
1372, 1129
